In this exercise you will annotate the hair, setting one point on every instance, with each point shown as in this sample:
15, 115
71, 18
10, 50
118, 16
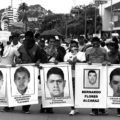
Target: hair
37, 35
30, 34
21, 69
91, 71
1, 74
114, 72
55, 70
73, 41
95, 39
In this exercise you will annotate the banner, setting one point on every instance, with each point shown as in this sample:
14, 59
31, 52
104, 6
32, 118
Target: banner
23, 86
90, 86
113, 96
4, 76
56, 81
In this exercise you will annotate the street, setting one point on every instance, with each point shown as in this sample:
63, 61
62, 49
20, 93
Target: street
59, 114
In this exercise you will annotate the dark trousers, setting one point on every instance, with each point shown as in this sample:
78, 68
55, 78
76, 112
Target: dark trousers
98, 110
118, 110
26, 108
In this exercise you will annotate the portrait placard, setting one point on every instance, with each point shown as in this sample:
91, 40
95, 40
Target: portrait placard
90, 86
56, 81
23, 86
113, 83
4, 76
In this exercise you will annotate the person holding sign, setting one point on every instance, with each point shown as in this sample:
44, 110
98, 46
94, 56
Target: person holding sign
73, 56
56, 82
115, 84
114, 58
96, 54
22, 79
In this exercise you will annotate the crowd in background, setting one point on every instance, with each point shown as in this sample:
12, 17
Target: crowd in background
32, 48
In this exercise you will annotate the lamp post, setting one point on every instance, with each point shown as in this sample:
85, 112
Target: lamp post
85, 22
111, 20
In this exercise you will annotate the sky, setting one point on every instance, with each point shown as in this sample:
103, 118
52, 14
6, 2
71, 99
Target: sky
56, 6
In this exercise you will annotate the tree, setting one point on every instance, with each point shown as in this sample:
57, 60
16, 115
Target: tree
22, 14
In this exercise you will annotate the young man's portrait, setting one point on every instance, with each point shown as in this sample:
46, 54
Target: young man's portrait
115, 82
22, 79
56, 82
1, 79
2, 87
91, 78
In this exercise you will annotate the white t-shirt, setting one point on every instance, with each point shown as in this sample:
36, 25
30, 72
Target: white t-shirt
80, 56
8, 57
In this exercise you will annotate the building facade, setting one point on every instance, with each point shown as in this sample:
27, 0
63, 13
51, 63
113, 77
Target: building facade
9, 16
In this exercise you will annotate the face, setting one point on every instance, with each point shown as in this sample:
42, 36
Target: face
96, 44
22, 80
115, 85
56, 85
111, 47
74, 49
51, 42
92, 78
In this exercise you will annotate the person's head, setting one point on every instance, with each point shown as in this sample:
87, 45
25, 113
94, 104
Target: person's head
95, 42
74, 47
92, 76
113, 45
15, 38
41, 43
1, 79
115, 82
22, 38
29, 41
55, 82
81, 40
37, 37
51, 41
21, 79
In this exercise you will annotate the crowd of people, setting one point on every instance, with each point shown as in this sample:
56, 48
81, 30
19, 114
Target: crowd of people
32, 48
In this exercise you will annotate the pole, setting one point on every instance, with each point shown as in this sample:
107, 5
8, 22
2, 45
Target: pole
95, 19
85, 22
111, 19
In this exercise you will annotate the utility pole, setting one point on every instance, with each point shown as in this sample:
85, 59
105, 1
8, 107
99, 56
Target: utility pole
11, 3
111, 20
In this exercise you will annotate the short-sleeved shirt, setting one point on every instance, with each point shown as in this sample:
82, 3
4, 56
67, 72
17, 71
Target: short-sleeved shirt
96, 55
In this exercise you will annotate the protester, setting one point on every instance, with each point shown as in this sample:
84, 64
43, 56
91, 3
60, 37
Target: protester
54, 51
30, 53
73, 56
8, 56
96, 54
114, 58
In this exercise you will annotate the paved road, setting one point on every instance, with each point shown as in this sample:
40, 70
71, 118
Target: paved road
59, 114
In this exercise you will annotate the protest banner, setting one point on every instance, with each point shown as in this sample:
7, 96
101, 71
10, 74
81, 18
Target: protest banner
90, 86
4, 76
56, 81
113, 83
23, 86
